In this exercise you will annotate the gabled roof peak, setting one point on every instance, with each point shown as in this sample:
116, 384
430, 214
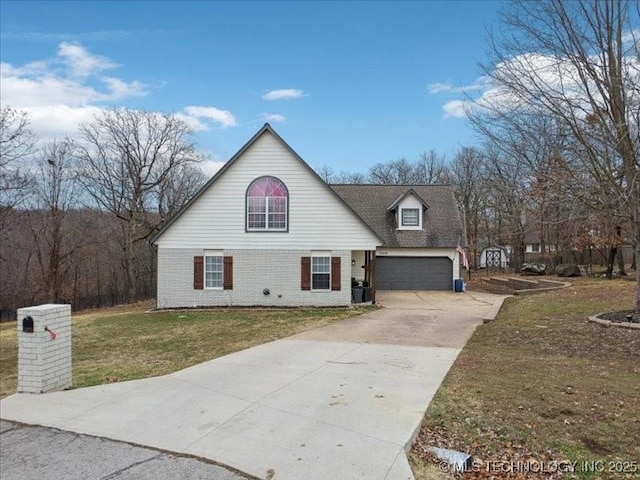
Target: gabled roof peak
265, 128
410, 191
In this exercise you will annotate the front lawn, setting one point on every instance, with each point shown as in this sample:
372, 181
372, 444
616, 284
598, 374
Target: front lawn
540, 382
117, 344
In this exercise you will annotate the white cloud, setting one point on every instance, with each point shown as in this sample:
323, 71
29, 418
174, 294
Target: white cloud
59, 120
284, 94
447, 87
120, 89
25, 91
455, 109
434, 88
631, 36
196, 117
224, 117
273, 117
192, 122
210, 167
62, 92
559, 77
80, 62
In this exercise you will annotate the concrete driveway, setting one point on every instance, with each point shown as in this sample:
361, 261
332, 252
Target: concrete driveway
425, 319
340, 402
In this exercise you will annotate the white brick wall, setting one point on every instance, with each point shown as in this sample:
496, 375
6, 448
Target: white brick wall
44, 364
253, 271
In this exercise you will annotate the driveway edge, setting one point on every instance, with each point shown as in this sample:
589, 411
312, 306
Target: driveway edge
493, 311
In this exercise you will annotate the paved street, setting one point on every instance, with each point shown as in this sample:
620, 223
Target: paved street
31, 452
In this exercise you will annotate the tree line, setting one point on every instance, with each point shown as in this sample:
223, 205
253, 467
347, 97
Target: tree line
509, 207
76, 214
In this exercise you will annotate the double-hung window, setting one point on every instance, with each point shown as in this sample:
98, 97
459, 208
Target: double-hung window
267, 205
213, 271
320, 273
410, 217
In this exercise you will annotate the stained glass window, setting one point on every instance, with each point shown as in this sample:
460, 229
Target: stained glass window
267, 205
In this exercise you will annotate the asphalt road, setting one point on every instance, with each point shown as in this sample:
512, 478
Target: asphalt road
33, 452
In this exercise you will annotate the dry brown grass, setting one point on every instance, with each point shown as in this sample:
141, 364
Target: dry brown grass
125, 343
541, 379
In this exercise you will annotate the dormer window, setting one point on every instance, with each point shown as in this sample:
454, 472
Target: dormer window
410, 217
267, 205
409, 211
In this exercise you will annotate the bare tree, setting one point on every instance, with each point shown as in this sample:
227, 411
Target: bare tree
467, 172
395, 172
177, 189
55, 194
507, 180
16, 147
124, 159
431, 168
577, 63
326, 173
16, 139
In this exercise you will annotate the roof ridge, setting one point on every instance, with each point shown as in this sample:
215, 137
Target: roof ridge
391, 185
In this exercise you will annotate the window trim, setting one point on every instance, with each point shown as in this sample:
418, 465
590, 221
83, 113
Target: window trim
412, 225
247, 229
328, 273
212, 254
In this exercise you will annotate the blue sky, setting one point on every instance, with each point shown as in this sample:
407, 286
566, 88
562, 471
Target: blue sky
346, 84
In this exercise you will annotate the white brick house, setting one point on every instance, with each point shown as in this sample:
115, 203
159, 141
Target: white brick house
266, 230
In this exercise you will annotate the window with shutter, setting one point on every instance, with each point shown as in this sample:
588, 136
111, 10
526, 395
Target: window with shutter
335, 273
305, 273
227, 283
198, 273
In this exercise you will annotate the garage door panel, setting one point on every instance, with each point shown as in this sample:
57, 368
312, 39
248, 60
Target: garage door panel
414, 273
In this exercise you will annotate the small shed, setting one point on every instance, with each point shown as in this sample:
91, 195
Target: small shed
494, 257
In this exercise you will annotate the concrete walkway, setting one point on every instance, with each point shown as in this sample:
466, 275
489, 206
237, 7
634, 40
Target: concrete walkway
339, 402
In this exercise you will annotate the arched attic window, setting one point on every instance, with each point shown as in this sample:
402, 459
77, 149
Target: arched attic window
267, 205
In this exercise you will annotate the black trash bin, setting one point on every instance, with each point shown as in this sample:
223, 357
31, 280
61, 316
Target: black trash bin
368, 294
356, 294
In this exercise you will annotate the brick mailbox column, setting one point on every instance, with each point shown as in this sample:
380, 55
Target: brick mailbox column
44, 348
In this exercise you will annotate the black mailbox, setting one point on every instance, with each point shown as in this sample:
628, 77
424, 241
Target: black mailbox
27, 324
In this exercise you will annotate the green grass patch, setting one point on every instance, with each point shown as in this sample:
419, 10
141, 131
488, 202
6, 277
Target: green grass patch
113, 347
542, 382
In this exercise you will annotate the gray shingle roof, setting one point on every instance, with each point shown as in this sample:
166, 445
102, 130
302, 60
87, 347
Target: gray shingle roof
441, 221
